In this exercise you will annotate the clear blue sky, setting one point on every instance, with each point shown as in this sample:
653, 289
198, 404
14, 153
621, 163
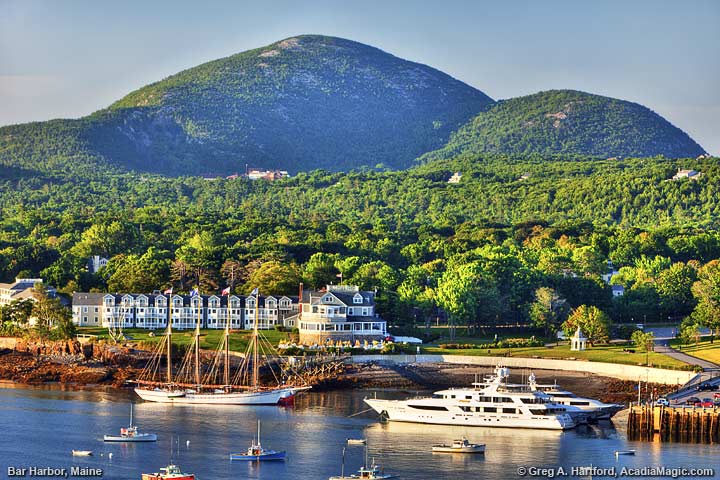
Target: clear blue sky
69, 58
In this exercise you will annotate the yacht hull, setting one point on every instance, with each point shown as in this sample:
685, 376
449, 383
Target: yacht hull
399, 411
267, 397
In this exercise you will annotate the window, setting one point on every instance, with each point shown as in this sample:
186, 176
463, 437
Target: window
508, 410
358, 298
490, 410
429, 407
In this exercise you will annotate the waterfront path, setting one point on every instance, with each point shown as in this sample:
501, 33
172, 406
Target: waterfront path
614, 370
684, 357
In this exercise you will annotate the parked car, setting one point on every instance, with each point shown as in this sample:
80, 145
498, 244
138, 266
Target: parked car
705, 387
692, 401
716, 396
706, 402
662, 401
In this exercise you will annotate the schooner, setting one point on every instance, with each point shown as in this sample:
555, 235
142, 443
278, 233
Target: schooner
189, 386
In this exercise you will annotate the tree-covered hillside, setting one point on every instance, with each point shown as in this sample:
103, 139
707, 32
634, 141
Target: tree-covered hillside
571, 123
303, 103
510, 227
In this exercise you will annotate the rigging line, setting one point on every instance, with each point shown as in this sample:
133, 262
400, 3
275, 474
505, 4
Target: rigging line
153, 366
358, 413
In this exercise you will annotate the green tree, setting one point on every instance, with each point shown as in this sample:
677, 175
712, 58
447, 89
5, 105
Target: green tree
468, 295
274, 278
320, 270
645, 341
547, 310
53, 320
593, 322
707, 293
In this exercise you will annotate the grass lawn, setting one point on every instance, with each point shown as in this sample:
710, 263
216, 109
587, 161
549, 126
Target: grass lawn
705, 350
209, 338
601, 353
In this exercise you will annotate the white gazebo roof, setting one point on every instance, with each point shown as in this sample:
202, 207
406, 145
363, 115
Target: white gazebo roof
579, 335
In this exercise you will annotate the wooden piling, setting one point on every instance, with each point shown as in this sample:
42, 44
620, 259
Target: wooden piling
674, 424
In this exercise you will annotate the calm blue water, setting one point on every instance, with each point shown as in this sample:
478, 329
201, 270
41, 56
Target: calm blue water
42, 425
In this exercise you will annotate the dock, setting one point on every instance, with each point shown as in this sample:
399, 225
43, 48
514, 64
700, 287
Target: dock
674, 424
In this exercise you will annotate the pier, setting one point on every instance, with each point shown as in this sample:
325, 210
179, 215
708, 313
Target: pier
674, 424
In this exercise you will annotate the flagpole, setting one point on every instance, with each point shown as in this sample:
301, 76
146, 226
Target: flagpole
169, 339
255, 340
227, 341
197, 341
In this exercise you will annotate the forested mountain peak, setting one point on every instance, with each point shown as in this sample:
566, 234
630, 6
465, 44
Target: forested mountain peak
570, 122
302, 103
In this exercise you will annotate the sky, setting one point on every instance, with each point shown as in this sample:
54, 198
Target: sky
66, 59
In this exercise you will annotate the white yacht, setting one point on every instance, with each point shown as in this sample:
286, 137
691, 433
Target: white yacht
492, 403
596, 409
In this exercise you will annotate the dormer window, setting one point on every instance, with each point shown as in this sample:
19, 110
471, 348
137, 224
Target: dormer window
327, 298
357, 298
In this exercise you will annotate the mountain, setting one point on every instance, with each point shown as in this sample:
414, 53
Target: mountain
571, 123
302, 103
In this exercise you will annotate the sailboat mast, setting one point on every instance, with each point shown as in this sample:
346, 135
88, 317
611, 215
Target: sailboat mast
131, 409
255, 342
227, 342
169, 341
197, 341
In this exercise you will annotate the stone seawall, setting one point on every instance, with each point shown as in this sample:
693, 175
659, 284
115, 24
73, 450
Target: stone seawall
613, 370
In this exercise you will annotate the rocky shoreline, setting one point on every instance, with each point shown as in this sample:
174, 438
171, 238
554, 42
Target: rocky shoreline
73, 363
69, 362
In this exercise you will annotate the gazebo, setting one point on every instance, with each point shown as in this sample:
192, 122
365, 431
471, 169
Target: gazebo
578, 341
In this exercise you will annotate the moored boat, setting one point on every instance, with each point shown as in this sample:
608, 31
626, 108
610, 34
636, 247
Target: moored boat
171, 472
624, 452
372, 472
82, 453
209, 389
256, 452
131, 433
594, 409
356, 441
459, 446
492, 403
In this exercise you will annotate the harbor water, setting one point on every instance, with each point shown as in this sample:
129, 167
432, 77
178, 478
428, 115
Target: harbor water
42, 425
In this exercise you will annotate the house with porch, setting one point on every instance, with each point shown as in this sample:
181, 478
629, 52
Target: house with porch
338, 313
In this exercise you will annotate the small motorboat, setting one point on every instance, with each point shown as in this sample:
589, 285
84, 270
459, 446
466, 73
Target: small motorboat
624, 452
356, 441
256, 453
373, 472
131, 434
460, 446
171, 472
82, 453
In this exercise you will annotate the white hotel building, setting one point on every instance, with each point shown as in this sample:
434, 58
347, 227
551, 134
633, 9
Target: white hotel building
339, 312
